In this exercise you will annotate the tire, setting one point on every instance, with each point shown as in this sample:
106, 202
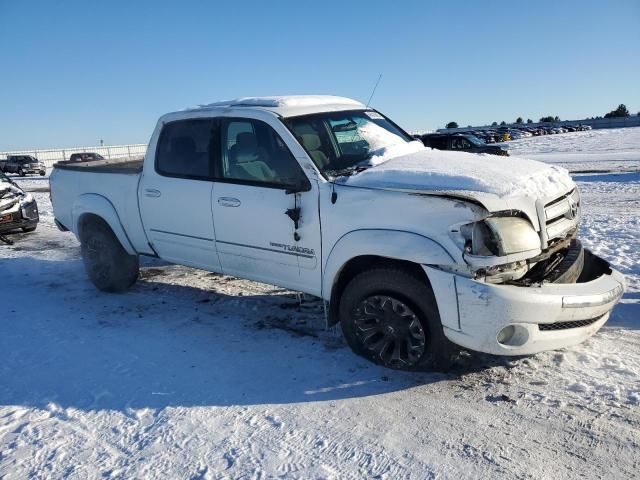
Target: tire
42, 173
21, 172
108, 265
29, 229
389, 316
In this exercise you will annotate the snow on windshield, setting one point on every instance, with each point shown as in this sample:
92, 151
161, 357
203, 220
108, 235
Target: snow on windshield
384, 144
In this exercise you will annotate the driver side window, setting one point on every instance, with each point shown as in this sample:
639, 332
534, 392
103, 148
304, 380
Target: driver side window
459, 143
254, 153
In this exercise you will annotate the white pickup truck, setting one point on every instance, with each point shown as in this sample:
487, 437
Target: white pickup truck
413, 249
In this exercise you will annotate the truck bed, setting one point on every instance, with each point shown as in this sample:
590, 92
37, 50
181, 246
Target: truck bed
110, 184
125, 165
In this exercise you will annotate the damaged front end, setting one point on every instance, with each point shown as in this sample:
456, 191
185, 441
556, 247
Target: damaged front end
18, 210
526, 284
506, 248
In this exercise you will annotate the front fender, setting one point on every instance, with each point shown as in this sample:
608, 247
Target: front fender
91, 203
394, 244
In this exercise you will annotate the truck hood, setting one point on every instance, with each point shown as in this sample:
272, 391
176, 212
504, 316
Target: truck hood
498, 183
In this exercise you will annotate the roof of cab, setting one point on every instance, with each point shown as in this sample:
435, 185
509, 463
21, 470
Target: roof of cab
287, 106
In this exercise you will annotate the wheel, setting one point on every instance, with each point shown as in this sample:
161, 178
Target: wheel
29, 229
42, 173
109, 266
389, 316
21, 172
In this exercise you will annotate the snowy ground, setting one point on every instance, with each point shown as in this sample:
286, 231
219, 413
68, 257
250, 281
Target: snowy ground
196, 375
616, 149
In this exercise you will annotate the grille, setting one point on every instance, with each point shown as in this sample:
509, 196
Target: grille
562, 215
567, 325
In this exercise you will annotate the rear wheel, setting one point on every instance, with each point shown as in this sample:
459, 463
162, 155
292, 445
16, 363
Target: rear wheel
389, 316
109, 266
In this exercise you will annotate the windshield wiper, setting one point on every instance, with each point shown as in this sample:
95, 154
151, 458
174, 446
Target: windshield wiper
347, 172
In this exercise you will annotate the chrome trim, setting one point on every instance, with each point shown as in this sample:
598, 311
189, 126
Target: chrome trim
581, 301
559, 216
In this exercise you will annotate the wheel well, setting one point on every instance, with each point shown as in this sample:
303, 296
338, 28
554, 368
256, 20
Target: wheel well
359, 264
88, 220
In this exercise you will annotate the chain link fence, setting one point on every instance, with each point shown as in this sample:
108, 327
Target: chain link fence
51, 156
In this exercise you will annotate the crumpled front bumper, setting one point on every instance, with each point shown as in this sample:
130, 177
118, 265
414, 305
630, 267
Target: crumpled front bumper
25, 217
522, 320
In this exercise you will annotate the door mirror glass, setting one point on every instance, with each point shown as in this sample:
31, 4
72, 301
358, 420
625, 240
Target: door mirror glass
301, 185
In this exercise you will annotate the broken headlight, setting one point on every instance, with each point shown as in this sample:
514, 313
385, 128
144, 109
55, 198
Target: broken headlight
29, 207
499, 236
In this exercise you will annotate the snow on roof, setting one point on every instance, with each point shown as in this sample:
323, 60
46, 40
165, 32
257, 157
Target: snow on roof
289, 105
288, 101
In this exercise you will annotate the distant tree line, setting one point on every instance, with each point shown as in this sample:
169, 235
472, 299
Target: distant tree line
621, 111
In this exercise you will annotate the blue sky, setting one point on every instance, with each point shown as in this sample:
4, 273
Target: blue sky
74, 72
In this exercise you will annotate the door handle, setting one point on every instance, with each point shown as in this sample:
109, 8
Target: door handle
151, 192
229, 202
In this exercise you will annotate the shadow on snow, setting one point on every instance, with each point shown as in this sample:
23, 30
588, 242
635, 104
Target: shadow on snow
161, 345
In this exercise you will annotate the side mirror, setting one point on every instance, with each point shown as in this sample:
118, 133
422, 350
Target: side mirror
302, 185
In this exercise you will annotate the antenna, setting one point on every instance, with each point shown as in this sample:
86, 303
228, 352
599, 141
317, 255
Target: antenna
374, 89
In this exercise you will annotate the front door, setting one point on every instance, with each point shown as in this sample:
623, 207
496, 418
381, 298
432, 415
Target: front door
175, 197
254, 206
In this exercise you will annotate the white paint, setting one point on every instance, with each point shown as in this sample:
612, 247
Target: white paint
191, 222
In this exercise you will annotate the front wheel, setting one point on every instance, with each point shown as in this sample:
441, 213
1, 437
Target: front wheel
109, 266
389, 316
21, 172
29, 229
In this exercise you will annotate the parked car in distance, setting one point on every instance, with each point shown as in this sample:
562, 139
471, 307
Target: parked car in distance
503, 136
461, 142
85, 157
515, 134
411, 248
18, 210
22, 165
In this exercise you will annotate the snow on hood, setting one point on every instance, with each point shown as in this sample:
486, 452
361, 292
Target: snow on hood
10, 195
426, 169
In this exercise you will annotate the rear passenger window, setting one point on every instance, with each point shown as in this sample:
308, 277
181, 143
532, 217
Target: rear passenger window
439, 143
187, 149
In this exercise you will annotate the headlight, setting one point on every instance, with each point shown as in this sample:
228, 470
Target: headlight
499, 236
29, 208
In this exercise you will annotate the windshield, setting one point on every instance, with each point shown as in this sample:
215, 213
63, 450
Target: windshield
340, 143
475, 140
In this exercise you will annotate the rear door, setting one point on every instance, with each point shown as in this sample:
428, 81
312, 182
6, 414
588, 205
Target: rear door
175, 193
256, 237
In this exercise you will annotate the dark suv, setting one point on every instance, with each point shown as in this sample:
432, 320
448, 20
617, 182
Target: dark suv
460, 142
